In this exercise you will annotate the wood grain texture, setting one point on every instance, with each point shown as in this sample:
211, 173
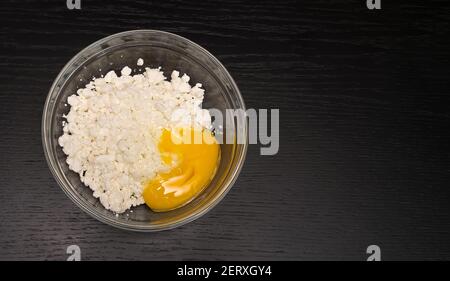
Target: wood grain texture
364, 140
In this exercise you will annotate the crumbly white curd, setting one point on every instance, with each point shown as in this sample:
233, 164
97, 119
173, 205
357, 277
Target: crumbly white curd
112, 130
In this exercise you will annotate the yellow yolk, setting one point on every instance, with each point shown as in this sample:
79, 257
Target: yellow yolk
193, 156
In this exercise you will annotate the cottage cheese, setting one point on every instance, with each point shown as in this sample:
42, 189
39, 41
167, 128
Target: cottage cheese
112, 130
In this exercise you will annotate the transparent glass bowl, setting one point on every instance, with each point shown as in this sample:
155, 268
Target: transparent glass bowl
157, 48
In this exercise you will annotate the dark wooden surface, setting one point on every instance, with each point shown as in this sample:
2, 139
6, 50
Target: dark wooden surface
364, 105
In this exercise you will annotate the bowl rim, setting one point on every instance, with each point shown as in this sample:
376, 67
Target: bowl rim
46, 143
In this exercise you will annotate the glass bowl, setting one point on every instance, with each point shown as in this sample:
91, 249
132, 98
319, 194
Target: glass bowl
156, 48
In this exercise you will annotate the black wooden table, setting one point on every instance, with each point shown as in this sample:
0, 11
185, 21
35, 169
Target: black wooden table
364, 129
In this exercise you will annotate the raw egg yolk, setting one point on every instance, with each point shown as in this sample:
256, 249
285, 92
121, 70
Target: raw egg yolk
193, 155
